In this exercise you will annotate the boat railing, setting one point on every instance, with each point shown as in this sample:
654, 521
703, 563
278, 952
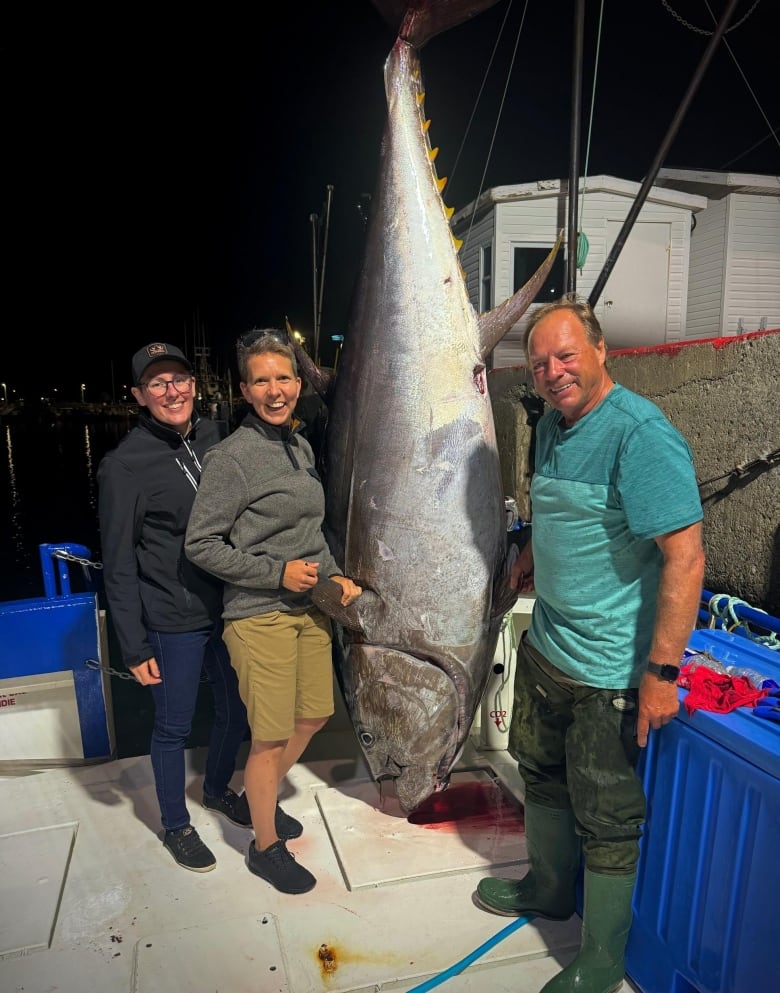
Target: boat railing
56, 560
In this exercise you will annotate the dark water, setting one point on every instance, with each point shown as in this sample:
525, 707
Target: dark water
48, 492
48, 495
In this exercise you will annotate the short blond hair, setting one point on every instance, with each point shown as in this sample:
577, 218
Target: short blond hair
258, 342
581, 309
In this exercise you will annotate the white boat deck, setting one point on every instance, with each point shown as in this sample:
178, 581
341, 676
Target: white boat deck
90, 902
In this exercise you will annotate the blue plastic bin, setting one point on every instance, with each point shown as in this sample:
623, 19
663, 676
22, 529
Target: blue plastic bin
708, 888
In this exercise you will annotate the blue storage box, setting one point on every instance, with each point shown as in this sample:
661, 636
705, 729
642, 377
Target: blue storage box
708, 887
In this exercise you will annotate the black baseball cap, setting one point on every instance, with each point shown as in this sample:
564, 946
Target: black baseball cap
154, 352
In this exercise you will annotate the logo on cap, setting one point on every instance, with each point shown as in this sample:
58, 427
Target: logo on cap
156, 349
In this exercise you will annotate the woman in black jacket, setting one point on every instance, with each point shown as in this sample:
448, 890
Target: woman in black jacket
166, 612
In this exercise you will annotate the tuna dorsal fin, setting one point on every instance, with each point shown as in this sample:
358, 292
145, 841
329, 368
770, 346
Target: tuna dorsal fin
495, 323
417, 21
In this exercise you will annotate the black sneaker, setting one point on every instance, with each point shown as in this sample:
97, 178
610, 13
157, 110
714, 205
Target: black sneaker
231, 806
188, 850
278, 867
287, 827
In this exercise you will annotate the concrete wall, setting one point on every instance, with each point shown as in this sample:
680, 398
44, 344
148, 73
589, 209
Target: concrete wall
722, 394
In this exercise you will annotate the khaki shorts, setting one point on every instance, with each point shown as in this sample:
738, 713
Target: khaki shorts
285, 669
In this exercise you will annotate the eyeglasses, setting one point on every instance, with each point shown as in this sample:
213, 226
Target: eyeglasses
159, 387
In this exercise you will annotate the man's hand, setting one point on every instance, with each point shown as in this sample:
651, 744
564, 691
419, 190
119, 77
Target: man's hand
658, 704
521, 574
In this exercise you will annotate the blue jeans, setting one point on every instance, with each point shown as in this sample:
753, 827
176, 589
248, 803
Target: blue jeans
182, 656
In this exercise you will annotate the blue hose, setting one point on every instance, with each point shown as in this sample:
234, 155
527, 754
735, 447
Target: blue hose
456, 969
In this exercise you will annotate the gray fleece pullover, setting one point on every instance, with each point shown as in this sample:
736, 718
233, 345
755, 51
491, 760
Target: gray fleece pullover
259, 505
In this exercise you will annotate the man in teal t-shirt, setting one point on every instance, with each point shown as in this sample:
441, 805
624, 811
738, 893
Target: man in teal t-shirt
617, 565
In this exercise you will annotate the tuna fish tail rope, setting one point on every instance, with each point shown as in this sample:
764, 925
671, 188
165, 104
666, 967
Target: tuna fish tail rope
455, 970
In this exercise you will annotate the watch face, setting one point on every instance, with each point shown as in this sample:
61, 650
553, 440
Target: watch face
669, 673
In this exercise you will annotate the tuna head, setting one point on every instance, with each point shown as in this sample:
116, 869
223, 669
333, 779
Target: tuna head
405, 715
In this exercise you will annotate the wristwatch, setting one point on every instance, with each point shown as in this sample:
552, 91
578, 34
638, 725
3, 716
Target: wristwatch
668, 673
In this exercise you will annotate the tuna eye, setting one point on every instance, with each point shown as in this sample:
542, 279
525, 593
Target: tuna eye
366, 739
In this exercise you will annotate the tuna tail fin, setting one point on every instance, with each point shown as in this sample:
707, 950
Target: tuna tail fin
417, 21
494, 324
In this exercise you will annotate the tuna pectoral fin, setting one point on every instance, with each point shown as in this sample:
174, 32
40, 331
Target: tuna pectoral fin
405, 713
495, 323
326, 596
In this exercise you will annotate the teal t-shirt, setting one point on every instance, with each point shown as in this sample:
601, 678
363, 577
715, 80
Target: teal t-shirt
602, 490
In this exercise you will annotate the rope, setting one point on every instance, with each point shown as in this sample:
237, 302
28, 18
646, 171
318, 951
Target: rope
498, 119
722, 607
768, 459
583, 245
479, 95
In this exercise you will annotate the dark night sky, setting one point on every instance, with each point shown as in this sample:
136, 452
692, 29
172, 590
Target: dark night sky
164, 166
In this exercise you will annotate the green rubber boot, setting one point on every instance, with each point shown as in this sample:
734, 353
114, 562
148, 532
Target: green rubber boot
606, 920
548, 888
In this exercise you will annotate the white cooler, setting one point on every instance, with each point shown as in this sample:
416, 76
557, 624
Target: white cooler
496, 709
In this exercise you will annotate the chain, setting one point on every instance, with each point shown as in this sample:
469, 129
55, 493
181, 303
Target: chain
60, 553
692, 27
121, 673
94, 664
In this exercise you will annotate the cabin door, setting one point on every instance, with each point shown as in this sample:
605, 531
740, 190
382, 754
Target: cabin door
633, 305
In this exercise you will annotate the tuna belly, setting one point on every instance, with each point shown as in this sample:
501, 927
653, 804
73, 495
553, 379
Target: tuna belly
405, 712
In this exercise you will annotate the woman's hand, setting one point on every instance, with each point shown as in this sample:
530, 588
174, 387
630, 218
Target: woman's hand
300, 576
349, 591
147, 673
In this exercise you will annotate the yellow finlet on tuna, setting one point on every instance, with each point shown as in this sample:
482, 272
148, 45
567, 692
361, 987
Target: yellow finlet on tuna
441, 183
433, 153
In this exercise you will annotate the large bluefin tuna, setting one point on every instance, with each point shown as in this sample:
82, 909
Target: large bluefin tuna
415, 507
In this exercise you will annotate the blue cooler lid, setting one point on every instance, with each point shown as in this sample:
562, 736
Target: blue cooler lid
755, 739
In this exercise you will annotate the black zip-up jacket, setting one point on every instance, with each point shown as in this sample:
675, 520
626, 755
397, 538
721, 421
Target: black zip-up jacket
146, 487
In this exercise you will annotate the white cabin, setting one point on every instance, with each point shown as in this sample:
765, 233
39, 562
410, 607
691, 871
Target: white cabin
734, 284
645, 298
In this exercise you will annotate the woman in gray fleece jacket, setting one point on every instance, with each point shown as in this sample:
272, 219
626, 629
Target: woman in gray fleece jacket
256, 524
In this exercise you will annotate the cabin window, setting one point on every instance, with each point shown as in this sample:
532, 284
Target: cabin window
485, 278
527, 258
